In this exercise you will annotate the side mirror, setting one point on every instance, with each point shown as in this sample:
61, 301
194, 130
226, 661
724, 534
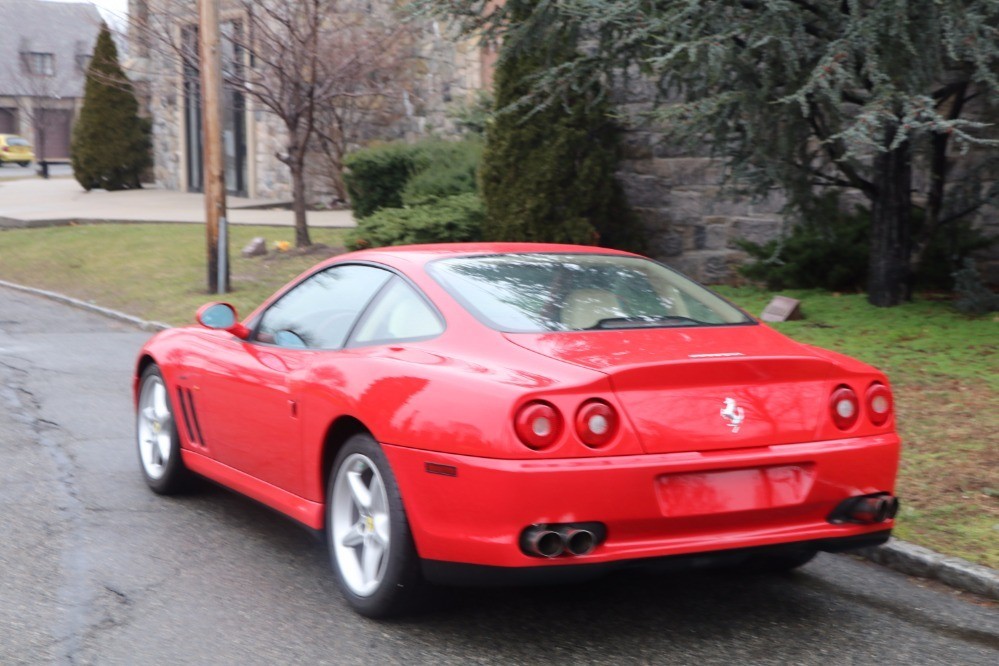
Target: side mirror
221, 317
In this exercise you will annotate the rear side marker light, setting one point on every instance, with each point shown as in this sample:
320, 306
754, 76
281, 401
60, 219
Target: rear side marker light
538, 424
845, 407
879, 404
596, 423
440, 469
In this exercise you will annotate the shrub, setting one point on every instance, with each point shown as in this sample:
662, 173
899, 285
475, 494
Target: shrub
827, 249
111, 143
449, 220
973, 296
376, 176
450, 170
396, 174
947, 252
548, 173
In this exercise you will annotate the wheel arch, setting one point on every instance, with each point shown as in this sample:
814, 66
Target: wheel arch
145, 360
339, 431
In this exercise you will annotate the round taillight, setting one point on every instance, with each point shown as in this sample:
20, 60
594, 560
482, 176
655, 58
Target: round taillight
596, 423
845, 407
879, 404
538, 424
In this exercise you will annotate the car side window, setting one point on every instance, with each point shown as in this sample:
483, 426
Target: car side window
399, 313
319, 312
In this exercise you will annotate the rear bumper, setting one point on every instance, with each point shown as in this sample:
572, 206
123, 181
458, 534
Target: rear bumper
653, 506
456, 573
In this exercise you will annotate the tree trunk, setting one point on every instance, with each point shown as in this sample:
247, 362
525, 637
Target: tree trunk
888, 275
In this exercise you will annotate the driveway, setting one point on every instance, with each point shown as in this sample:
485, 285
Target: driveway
38, 202
98, 570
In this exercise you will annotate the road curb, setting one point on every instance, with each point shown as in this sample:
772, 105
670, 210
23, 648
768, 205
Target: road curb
902, 556
908, 558
84, 305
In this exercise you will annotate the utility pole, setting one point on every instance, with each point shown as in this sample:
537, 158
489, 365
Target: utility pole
214, 164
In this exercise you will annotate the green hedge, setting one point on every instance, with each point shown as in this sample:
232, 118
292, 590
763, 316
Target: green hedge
828, 249
450, 220
376, 176
395, 174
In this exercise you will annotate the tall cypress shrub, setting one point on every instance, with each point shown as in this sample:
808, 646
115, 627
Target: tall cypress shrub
111, 144
548, 175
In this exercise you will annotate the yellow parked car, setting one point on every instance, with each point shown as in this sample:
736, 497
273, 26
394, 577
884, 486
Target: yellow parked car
15, 149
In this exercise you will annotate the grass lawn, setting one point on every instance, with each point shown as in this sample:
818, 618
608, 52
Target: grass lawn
152, 271
944, 366
944, 369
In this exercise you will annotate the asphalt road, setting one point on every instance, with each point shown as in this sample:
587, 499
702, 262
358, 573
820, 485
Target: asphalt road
95, 569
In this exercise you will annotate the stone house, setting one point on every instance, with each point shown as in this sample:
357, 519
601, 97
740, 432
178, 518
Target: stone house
447, 73
44, 53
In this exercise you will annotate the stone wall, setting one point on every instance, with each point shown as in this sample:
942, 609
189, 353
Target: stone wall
692, 225
689, 224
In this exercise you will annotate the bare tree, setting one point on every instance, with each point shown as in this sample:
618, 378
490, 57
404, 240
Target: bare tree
370, 94
317, 65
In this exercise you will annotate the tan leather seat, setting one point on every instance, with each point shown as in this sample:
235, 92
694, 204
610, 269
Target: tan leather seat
585, 307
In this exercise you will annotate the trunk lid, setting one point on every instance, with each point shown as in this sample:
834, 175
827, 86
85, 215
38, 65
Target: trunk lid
700, 389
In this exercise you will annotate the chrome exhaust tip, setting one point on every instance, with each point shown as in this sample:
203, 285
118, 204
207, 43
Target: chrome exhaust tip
578, 541
542, 542
866, 509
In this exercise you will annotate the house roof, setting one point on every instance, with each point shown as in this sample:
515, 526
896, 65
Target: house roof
67, 30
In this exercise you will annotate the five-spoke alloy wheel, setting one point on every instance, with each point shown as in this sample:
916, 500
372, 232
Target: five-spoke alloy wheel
156, 435
371, 547
360, 517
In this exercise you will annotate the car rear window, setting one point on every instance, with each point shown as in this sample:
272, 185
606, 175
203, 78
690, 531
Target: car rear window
17, 141
535, 293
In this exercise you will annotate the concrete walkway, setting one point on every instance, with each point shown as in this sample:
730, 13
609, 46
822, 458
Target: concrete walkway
35, 202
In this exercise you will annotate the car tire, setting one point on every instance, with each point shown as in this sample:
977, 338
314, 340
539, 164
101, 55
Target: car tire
23, 164
156, 436
370, 543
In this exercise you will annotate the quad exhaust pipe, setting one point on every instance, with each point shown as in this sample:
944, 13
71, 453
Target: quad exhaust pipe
568, 539
577, 541
865, 509
543, 542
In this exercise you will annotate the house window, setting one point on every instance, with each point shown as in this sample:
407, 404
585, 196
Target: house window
83, 62
40, 64
233, 108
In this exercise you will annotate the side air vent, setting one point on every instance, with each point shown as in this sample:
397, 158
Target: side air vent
186, 400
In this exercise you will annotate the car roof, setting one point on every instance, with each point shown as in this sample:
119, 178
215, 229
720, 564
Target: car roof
422, 254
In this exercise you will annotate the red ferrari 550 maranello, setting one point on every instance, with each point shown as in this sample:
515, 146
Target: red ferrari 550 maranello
520, 413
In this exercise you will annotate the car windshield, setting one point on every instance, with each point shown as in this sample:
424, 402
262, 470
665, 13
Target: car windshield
16, 141
536, 293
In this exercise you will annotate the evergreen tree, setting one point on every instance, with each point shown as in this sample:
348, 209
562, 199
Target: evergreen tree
111, 143
876, 96
547, 173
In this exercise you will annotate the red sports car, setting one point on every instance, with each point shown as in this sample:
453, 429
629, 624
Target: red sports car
520, 413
